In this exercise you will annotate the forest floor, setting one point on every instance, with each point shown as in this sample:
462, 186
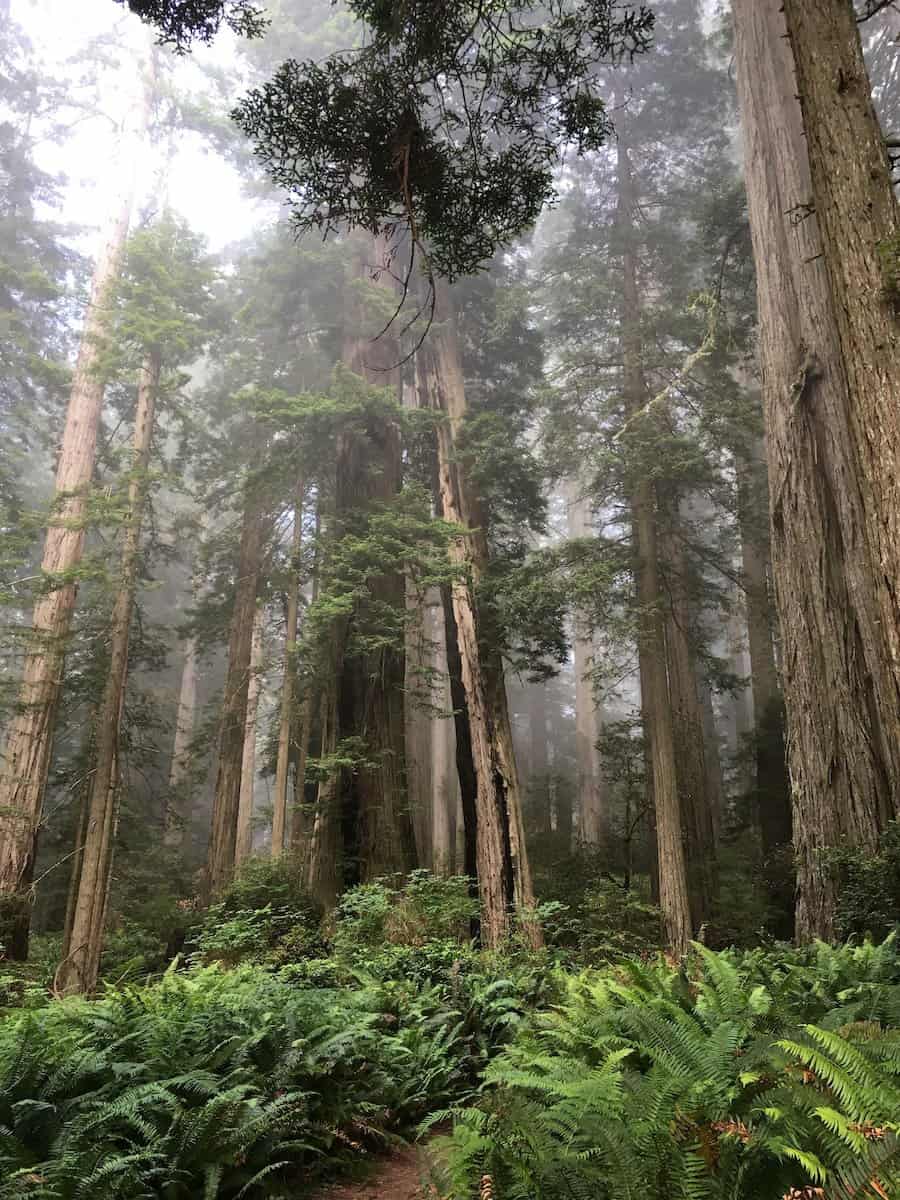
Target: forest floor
402, 1175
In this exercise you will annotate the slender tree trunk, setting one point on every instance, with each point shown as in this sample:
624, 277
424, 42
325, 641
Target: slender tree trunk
859, 227
691, 767
504, 876
773, 793
444, 787
715, 788
465, 761
840, 693
23, 775
299, 823
420, 683
539, 758
175, 817
226, 798
78, 971
658, 729
324, 861
243, 848
279, 814
589, 784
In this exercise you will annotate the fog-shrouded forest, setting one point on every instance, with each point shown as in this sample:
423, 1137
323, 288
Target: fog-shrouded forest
449, 599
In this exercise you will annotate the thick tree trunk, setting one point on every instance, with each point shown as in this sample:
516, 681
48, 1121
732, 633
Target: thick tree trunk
658, 729
80, 968
773, 793
226, 798
859, 227
691, 767
287, 722
840, 693
504, 877
243, 847
589, 784
371, 702
23, 776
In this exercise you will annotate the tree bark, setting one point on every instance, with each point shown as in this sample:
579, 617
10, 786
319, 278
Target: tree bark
23, 777
539, 758
691, 767
80, 967
589, 785
226, 798
658, 730
773, 793
504, 876
465, 762
175, 816
286, 725
243, 848
444, 780
371, 700
840, 693
299, 823
859, 227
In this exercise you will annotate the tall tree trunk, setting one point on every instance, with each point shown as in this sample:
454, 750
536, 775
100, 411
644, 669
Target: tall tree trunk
243, 847
859, 227
324, 866
773, 793
715, 788
444, 783
226, 798
371, 701
299, 823
589, 783
658, 730
175, 816
420, 683
286, 725
80, 967
539, 758
504, 876
840, 693
26, 764
465, 760
691, 768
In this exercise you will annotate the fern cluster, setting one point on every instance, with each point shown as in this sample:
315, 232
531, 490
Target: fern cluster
736, 1078
218, 1084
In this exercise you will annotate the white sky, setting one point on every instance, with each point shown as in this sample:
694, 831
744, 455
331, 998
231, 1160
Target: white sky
203, 188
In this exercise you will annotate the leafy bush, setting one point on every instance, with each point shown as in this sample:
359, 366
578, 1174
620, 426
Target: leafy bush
655, 1081
221, 1084
868, 886
264, 916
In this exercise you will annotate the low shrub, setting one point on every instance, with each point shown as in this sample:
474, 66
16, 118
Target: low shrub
704, 1081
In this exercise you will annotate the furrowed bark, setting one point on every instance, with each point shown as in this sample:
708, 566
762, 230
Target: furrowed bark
504, 877
830, 586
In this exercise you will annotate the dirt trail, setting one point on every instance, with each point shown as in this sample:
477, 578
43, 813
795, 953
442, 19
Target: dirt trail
402, 1176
